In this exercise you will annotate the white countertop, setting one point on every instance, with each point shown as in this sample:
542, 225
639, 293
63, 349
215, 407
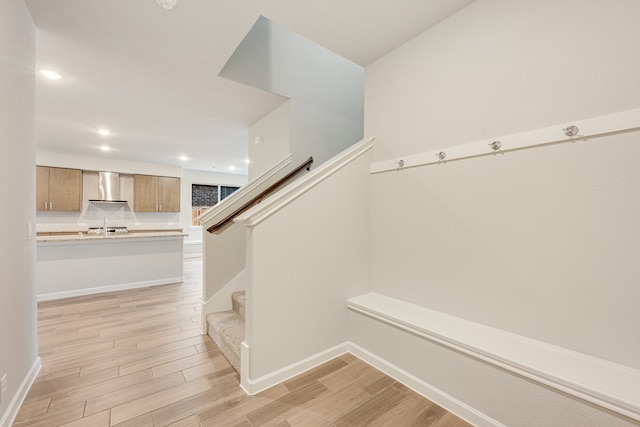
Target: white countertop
120, 237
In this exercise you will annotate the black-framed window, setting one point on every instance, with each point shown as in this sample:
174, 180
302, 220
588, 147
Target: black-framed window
204, 196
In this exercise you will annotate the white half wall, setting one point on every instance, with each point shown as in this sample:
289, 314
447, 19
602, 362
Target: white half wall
18, 315
304, 263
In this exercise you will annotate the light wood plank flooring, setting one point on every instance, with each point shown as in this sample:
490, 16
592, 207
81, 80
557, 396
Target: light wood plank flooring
137, 358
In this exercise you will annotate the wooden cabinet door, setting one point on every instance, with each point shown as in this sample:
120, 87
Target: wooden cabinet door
58, 189
42, 188
169, 194
65, 189
145, 193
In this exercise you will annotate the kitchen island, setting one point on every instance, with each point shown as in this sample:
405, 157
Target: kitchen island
80, 264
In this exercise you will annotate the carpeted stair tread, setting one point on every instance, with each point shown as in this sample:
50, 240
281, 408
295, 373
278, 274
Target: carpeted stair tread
226, 328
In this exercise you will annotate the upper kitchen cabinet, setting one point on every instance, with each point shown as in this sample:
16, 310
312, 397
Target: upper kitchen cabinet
58, 189
145, 193
156, 193
169, 194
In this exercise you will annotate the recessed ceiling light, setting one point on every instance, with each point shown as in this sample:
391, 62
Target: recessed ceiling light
51, 74
105, 148
232, 168
184, 158
247, 161
104, 132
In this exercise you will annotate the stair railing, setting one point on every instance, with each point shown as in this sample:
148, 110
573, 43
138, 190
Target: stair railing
263, 195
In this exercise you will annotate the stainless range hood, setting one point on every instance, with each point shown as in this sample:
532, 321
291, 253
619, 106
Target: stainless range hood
108, 188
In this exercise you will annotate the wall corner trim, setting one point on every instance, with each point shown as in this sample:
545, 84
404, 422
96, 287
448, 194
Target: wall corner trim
15, 404
254, 386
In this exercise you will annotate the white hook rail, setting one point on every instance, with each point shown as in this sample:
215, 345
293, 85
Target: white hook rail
578, 130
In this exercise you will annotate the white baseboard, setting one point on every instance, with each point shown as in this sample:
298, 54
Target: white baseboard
110, 288
435, 395
251, 386
254, 386
192, 249
21, 394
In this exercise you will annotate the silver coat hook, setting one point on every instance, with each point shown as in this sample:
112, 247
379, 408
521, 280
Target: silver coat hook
400, 163
495, 145
441, 155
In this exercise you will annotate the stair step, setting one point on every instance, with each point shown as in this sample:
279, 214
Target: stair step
239, 302
226, 328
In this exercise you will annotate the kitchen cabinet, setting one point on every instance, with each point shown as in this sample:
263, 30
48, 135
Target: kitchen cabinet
58, 189
156, 193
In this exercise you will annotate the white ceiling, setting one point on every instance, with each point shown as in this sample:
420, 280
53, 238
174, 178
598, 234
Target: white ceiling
150, 75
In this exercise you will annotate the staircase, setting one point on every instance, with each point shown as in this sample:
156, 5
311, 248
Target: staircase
226, 328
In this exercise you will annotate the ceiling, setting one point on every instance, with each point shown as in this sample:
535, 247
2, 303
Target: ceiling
150, 75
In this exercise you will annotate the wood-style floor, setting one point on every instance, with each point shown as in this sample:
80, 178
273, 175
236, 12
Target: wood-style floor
137, 358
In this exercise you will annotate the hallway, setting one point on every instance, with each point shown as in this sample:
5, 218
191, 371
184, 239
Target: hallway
137, 358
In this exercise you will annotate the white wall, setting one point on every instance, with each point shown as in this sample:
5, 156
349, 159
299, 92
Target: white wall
320, 133
105, 163
325, 89
224, 258
304, 266
18, 337
273, 133
540, 242
500, 67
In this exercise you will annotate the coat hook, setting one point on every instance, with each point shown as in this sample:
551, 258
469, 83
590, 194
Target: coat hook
400, 163
495, 145
571, 130
441, 155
